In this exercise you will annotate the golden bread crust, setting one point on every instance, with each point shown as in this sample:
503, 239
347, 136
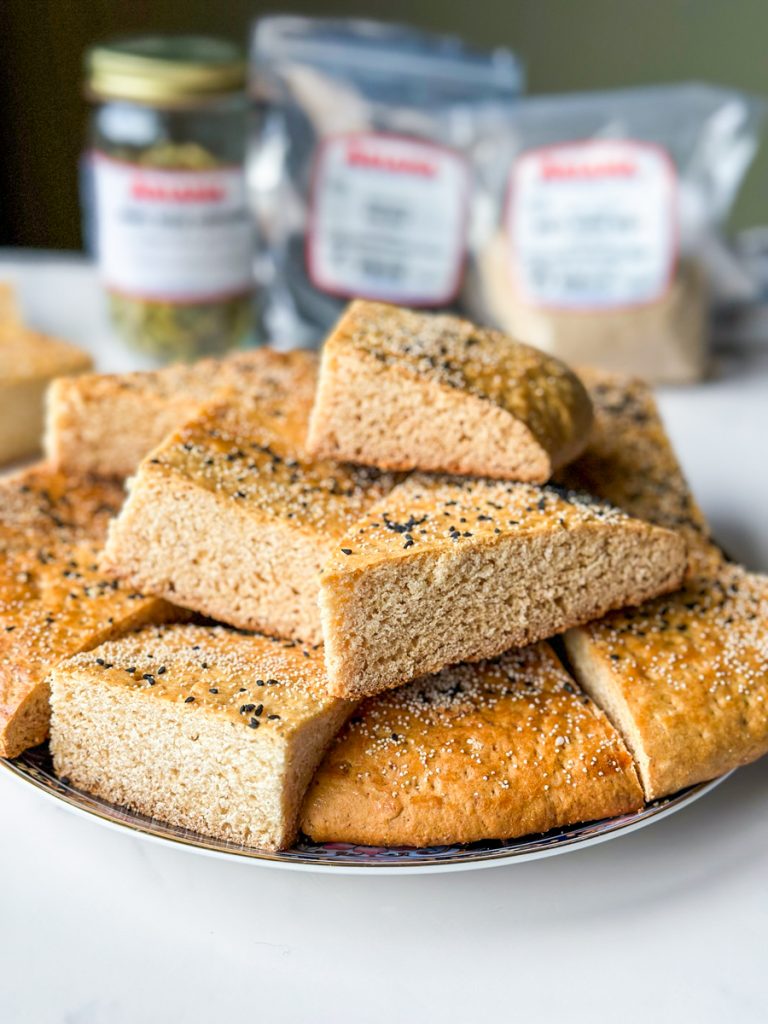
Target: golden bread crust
53, 599
486, 751
630, 462
684, 677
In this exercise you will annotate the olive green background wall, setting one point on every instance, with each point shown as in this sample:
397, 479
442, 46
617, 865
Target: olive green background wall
566, 44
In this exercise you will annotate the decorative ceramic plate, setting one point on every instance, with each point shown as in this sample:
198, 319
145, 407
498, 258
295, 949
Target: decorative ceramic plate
35, 767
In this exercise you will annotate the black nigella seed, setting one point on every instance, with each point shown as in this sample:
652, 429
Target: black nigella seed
213, 689
346, 551
272, 682
149, 678
246, 709
254, 723
259, 710
272, 717
161, 670
260, 682
189, 700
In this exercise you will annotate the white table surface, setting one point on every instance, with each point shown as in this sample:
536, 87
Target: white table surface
667, 924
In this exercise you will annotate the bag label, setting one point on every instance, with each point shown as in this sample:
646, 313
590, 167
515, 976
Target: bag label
171, 235
388, 219
593, 225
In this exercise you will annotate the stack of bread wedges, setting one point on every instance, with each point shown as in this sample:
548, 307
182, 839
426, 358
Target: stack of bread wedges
430, 587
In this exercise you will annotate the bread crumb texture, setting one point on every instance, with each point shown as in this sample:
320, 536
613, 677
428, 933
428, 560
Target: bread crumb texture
204, 727
486, 751
404, 390
105, 424
231, 517
445, 570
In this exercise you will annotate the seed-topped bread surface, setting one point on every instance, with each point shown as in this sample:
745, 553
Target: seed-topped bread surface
106, 423
230, 517
405, 390
204, 727
53, 599
447, 569
684, 678
485, 751
630, 462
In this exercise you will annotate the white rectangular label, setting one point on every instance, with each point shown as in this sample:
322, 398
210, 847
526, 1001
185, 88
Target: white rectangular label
172, 235
388, 219
593, 224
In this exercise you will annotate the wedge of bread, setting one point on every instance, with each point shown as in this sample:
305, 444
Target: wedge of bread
684, 678
28, 363
630, 462
445, 570
105, 424
230, 517
200, 727
53, 600
405, 390
487, 751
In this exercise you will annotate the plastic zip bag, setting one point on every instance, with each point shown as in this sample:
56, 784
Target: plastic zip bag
606, 239
369, 144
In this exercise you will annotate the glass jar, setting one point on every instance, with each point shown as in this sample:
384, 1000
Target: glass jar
164, 194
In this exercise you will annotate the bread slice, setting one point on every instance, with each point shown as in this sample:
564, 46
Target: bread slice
53, 601
230, 517
445, 570
200, 727
684, 678
630, 462
488, 751
405, 390
28, 362
106, 423
10, 314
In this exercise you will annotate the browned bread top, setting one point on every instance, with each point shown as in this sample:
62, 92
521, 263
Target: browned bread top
257, 371
538, 390
41, 507
252, 681
630, 462
53, 599
490, 750
27, 354
253, 454
685, 676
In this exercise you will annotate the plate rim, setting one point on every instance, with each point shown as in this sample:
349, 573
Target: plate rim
197, 843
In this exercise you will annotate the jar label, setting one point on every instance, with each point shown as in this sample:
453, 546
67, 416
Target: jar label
388, 219
593, 225
171, 235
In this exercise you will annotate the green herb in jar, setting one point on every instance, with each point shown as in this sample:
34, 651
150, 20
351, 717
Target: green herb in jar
170, 222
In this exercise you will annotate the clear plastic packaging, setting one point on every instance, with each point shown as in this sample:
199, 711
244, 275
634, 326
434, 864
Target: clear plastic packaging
370, 144
605, 240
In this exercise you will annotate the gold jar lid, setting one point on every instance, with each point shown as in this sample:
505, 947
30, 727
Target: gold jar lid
160, 70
